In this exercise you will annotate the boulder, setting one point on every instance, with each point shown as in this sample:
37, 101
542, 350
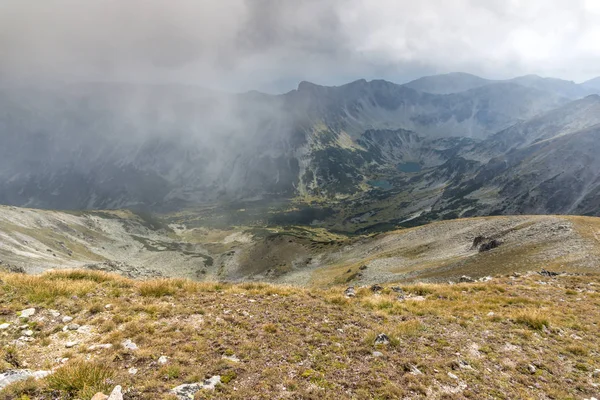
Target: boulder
349, 292
466, 279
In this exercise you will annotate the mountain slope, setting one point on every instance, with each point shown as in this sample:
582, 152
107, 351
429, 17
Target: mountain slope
164, 147
138, 246
470, 340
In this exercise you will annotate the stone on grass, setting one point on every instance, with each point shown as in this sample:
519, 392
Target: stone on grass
382, 339
116, 394
531, 368
104, 346
349, 292
72, 327
377, 354
466, 279
29, 312
452, 376
16, 375
99, 396
132, 371
28, 332
4, 326
163, 360
129, 345
70, 345
188, 391
66, 319
233, 359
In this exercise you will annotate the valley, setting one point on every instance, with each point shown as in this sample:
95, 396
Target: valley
177, 245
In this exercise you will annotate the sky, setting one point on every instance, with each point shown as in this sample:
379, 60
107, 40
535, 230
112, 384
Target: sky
271, 45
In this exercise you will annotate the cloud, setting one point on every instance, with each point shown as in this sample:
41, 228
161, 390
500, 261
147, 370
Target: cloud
270, 44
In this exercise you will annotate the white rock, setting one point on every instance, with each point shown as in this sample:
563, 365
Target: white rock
4, 326
108, 307
596, 373
66, 319
491, 314
233, 359
54, 313
129, 345
414, 370
105, 346
531, 368
116, 394
29, 312
211, 383
133, 371
451, 375
163, 360
377, 354
28, 332
69, 345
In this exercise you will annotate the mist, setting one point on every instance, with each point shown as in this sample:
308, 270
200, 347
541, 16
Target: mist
269, 45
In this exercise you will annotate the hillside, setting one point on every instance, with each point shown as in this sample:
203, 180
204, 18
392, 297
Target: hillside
530, 336
137, 245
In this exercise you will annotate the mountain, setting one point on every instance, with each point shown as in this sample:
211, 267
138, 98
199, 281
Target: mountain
454, 82
561, 87
457, 82
163, 146
593, 84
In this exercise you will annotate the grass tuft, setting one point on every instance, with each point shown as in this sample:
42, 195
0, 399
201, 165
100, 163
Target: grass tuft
534, 319
80, 378
157, 288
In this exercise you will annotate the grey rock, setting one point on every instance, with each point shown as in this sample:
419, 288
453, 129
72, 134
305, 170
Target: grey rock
350, 292
73, 327
4, 326
188, 391
377, 354
531, 368
66, 319
70, 345
13, 376
466, 279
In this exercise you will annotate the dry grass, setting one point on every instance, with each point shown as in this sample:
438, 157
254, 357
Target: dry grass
80, 378
307, 343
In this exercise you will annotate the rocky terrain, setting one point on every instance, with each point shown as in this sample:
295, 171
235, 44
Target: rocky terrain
139, 245
79, 334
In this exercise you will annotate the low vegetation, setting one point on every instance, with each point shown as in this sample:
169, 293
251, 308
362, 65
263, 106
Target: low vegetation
530, 336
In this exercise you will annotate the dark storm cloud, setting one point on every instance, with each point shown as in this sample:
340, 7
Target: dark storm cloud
269, 44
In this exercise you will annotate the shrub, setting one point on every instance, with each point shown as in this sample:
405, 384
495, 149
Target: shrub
80, 378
